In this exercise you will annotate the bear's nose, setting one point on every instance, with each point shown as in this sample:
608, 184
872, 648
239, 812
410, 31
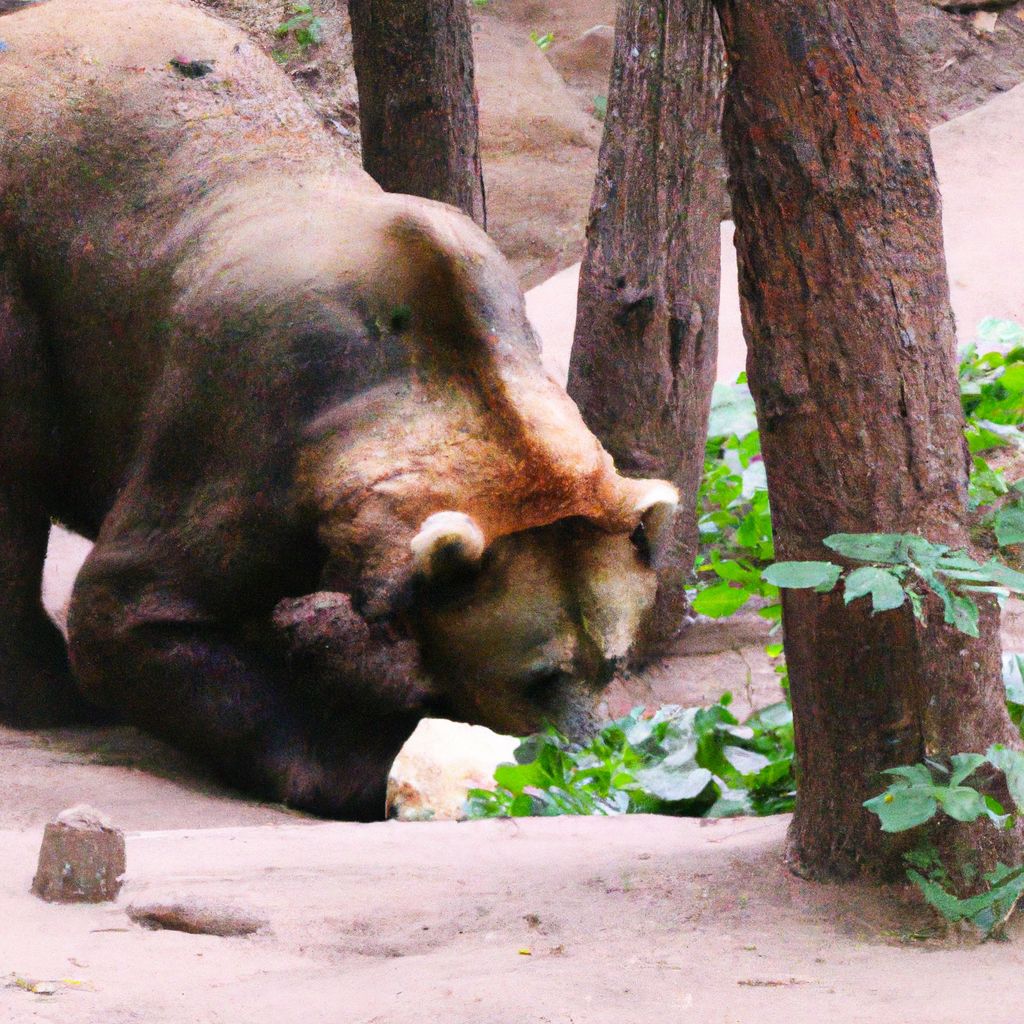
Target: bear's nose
610, 668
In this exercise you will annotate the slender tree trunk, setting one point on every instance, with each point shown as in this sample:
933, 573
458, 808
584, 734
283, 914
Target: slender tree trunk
417, 102
851, 360
643, 361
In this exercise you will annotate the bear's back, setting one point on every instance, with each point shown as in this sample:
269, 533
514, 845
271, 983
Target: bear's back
96, 99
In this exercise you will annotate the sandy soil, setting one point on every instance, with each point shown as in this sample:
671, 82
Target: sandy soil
574, 921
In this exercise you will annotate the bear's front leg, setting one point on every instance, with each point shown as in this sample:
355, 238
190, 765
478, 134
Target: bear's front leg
228, 694
36, 687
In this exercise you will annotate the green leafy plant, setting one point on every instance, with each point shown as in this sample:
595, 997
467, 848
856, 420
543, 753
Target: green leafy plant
992, 382
903, 567
543, 40
684, 761
736, 541
992, 394
734, 519
304, 27
1013, 679
920, 793
600, 107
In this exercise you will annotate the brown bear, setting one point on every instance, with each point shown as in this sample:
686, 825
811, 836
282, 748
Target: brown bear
251, 376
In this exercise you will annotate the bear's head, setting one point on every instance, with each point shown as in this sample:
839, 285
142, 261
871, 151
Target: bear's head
530, 629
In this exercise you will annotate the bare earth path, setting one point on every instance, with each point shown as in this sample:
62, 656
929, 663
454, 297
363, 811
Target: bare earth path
569, 921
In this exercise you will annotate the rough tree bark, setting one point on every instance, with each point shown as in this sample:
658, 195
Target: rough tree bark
643, 359
851, 360
417, 102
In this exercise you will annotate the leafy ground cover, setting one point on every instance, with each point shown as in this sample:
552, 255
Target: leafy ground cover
695, 762
960, 790
692, 762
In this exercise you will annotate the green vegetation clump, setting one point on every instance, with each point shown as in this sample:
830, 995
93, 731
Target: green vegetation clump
543, 39
903, 567
695, 762
992, 393
304, 28
922, 792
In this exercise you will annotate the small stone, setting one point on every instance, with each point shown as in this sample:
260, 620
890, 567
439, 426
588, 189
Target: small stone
81, 859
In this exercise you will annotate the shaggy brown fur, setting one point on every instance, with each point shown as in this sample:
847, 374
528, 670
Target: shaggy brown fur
251, 375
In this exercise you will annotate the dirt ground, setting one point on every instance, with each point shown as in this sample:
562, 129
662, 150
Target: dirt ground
568, 921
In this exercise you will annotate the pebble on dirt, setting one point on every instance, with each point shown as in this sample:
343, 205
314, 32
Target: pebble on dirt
82, 858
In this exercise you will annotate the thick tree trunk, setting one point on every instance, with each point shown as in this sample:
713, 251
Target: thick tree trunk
643, 361
852, 364
417, 103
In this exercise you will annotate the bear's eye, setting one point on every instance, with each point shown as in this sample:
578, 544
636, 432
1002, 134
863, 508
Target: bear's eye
642, 544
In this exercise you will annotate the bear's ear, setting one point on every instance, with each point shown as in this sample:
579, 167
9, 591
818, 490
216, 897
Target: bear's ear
448, 544
656, 508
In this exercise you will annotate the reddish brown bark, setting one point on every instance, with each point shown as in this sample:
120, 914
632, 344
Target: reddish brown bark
417, 102
852, 365
643, 361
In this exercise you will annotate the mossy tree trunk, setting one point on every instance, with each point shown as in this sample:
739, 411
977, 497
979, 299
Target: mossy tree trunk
643, 359
417, 101
851, 360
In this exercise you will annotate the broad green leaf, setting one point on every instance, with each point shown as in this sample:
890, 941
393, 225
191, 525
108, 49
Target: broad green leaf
673, 784
885, 590
721, 600
1007, 887
521, 807
1009, 525
997, 813
746, 762
737, 572
1011, 764
988, 910
962, 613
961, 802
775, 716
516, 777
802, 575
912, 773
903, 807
1004, 575
947, 904
1013, 677
923, 552
959, 560
735, 805
870, 547
983, 439
965, 765
732, 411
